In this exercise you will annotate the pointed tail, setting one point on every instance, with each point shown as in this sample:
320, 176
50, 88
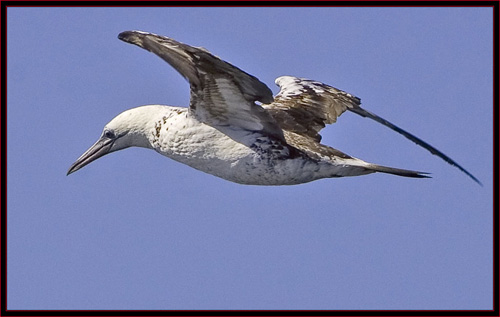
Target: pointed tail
397, 171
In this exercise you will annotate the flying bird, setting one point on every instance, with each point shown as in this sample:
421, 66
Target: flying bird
235, 129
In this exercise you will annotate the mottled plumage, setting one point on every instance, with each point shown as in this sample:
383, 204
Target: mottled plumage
224, 131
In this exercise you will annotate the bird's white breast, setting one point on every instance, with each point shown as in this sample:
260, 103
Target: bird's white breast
179, 136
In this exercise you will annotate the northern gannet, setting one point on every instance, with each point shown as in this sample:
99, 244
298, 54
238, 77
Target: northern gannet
226, 134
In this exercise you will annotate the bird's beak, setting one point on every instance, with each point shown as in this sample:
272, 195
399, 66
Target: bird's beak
99, 149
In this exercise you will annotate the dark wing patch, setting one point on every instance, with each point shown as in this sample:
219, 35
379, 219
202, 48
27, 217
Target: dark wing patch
314, 150
222, 95
305, 106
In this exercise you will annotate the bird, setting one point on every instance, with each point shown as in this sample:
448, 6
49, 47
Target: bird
236, 130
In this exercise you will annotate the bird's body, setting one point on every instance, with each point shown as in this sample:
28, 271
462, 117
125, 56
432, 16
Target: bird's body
226, 134
174, 133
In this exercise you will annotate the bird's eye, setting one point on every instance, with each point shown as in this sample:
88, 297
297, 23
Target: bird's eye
109, 134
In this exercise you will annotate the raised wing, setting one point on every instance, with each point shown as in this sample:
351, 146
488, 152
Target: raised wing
222, 95
305, 106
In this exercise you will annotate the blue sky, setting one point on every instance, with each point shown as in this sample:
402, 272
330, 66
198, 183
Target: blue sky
135, 230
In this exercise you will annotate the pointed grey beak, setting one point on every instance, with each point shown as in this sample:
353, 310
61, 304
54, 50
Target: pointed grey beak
99, 149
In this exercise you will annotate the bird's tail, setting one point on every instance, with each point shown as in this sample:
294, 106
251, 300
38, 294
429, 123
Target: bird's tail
360, 167
396, 171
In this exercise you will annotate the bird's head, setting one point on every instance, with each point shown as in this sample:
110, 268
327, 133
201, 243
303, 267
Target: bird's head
125, 130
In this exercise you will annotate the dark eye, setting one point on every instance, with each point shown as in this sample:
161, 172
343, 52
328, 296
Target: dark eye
109, 134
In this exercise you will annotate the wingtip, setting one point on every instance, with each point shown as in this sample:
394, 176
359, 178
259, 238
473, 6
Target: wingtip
364, 113
475, 179
131, 36
124, 35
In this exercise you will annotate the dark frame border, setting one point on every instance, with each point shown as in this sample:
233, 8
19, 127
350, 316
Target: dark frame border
3, 159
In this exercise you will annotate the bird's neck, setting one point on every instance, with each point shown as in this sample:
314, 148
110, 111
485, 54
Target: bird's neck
148, 121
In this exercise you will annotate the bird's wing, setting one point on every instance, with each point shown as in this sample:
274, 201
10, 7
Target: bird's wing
222, 95
305, 106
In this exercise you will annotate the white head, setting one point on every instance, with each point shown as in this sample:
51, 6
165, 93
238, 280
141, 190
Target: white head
127, 129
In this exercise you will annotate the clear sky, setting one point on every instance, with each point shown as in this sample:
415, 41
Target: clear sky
136, 230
